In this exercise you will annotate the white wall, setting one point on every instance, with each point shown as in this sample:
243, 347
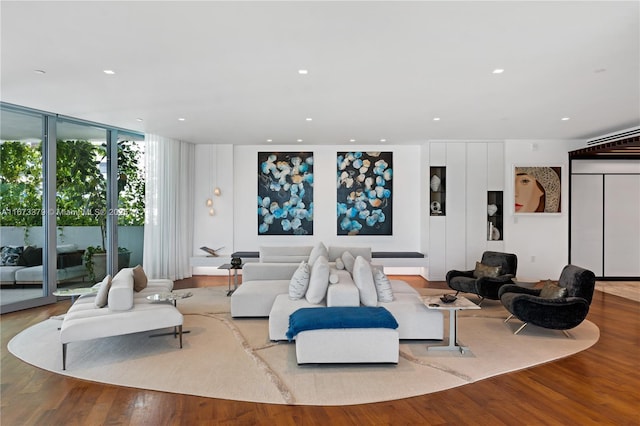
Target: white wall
406, 199
541, 241
214, 231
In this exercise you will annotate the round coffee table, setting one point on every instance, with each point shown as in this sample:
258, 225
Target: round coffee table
168, 296
75, 292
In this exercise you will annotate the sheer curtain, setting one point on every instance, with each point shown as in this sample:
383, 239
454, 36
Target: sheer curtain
168, 228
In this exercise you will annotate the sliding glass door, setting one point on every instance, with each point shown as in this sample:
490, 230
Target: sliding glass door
22, 213
81, 198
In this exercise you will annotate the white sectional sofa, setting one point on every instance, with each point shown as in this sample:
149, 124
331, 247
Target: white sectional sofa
265, 292
127, 312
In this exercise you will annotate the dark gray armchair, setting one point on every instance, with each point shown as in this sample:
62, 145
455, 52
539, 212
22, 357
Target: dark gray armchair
485, 287
558, 313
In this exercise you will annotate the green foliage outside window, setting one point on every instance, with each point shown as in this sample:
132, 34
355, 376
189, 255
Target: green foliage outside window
20, 184
81, 186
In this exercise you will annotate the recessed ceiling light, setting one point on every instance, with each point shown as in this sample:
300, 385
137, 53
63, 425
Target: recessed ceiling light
436, 118
40, 71
498, 71
352, 140
303, 72
139, 119
109, 72
181, 119
566, 118
383, 140
299, 140
309, 119
269, 140
599, 70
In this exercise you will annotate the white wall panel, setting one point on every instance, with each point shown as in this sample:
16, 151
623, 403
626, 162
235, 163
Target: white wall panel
476, 203
586, 222
438, 154
622, 225
495, 166
424, 200
606, 166
456, 205
437, 248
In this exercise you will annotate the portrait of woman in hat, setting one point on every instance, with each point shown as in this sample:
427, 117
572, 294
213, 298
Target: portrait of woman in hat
537, 189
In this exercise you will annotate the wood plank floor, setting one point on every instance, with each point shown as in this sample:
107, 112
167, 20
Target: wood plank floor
598, 386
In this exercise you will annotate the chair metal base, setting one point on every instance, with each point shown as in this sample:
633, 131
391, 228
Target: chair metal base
565, 332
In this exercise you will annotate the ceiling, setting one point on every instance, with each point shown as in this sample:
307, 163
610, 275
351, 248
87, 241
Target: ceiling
376, 70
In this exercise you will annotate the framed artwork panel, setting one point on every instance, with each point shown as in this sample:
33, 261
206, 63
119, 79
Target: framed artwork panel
537, 189
285, 193
364, 193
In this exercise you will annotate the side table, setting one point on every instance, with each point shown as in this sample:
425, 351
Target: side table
434, 302
229, 267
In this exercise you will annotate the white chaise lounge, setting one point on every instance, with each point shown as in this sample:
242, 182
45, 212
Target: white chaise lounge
127, 312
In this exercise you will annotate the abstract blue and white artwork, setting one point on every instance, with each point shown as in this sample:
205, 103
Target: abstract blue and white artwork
285, 193
365, 193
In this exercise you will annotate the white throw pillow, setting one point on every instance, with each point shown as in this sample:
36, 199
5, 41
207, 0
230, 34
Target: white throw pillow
318, 250
339, 264
333, 276
348, 260
103, 293
382, 283
363, 278
319, 281
299, 281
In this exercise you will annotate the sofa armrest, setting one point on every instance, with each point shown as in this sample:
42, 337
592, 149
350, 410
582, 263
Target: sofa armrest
455, 273
257, 271
513, 288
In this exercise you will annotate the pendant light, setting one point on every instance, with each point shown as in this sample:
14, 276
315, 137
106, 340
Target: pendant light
216, 189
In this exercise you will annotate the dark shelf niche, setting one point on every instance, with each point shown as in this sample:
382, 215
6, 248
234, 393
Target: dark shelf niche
495, 228
437, 197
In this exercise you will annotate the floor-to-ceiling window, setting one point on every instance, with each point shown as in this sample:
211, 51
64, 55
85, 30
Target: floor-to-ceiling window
91, 222
131, 206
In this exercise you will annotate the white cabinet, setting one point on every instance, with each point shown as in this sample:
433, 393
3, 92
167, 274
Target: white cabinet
587, 235
622, 226
605, 217
458, 238
476, 201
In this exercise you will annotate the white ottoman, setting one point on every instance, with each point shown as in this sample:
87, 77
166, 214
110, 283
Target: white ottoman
279, 315
347, 345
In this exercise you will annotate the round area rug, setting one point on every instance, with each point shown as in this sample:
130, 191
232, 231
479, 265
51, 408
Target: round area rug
234, 359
